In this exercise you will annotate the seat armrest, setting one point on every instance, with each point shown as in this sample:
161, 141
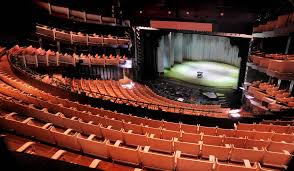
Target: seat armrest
58, 154
94, 163
286, 152
247, 163
91, 137
117, 143
178, 154
211, 158
67, 131
25, 146
47, 125
146, 148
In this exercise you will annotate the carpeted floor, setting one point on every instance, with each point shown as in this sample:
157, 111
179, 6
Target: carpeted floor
214, 74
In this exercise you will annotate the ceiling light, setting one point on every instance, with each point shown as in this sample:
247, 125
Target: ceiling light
222, 14
187, 12
169, 12
141, 11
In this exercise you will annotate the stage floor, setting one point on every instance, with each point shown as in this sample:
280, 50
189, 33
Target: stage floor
214, 74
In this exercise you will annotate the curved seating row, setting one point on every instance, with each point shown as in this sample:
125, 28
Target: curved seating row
278, 122
80, 16
271, 94
22, 145
155, 149
136, 92
111, 134
274, 65
136, 122
31, 56
168, 131
282, 21
81, 38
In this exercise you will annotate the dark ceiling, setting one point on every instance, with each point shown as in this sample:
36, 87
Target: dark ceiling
195, 10
237, 14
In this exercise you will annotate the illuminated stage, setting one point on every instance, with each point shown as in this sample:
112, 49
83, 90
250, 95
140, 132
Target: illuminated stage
214, 74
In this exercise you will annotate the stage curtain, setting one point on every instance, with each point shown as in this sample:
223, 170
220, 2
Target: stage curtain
197, 47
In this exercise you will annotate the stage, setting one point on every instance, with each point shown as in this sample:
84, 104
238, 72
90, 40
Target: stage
214, 74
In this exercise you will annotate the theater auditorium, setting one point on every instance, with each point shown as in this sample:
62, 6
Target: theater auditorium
126, 85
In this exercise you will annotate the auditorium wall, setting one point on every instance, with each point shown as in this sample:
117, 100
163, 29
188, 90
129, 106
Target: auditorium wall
179, 47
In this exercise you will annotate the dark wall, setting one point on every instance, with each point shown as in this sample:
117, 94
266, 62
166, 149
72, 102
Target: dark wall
149, 42
16, 19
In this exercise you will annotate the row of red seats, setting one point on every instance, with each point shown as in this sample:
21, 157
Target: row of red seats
85, 114
278, 122
254, 57
35, 57
282, 21
279, 66
166, 130
81, 38
23, 145
76, 15
272, 91
141, 94
62, 136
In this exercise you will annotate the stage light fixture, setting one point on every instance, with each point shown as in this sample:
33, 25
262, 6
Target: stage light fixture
222, 14
140, 11
169, 12
187, 12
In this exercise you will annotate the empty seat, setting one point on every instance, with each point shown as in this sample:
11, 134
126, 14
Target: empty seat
151, 130
172, 126
237, 142
191, 149
231, 167
226, 132
259, 144
162, 145
212, 140
283, 137
191, 137
157, 160
123, 154
189, 128
262, 135
239, 154
244, 134
40, 131
112, 134
134, 139
93, 145
169, 134
65, 138
136, 129
279, 128
207, 130
220, 152
190, 164
280, 146
90, 128
276, 159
